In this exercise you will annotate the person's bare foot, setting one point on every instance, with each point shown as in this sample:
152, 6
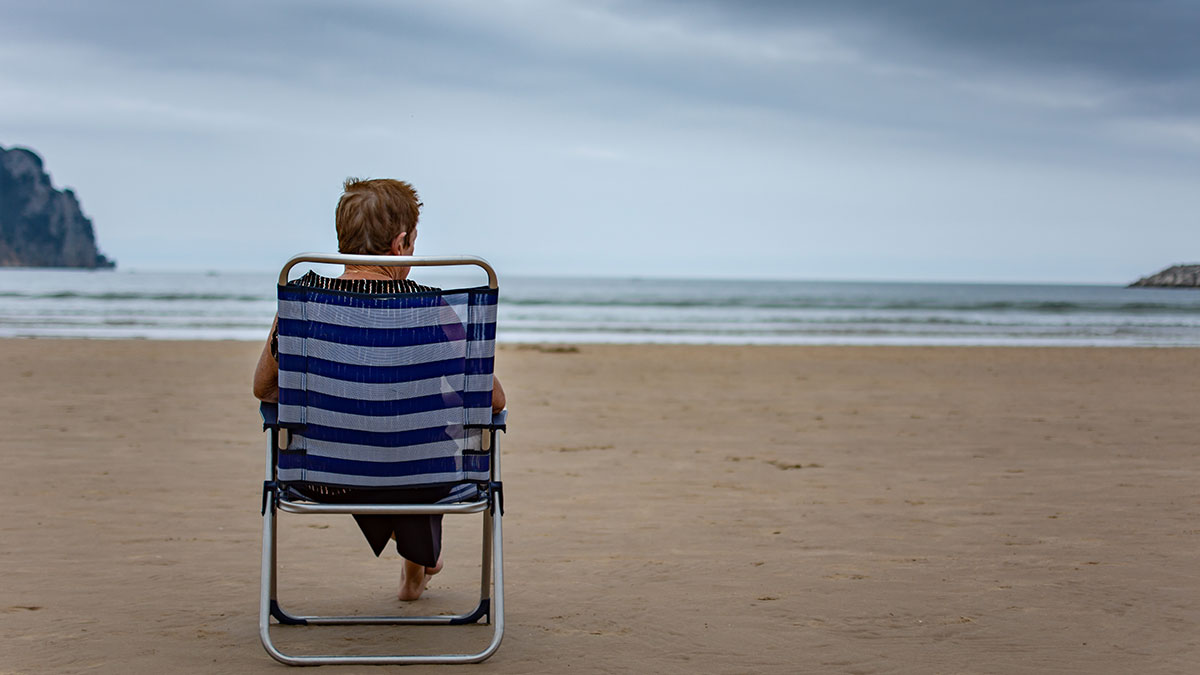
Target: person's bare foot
414, 578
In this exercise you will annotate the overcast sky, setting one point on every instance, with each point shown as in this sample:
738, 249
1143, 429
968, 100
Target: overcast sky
996, 140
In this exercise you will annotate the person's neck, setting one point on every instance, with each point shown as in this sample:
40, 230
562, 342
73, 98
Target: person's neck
374, 272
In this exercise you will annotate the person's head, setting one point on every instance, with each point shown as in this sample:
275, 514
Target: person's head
377, 217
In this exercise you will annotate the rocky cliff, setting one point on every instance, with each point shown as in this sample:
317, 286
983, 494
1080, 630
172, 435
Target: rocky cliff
1177, 276
41, 226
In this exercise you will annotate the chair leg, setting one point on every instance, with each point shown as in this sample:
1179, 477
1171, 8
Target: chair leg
266, 601
276, 611
496, 547
274, 560
485, 567
493, 606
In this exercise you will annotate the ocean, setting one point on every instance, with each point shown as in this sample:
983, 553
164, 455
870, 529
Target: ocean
239, 306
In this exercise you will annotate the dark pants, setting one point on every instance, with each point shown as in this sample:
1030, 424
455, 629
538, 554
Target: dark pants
418, 537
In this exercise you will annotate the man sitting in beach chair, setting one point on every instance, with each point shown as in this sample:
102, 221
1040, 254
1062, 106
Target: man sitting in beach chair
386, 397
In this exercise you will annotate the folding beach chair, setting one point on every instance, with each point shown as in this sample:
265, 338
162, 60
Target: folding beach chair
385, 391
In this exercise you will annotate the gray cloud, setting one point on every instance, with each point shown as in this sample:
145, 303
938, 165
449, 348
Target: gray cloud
1152, 40
1149, 47
909, 124
1123, 56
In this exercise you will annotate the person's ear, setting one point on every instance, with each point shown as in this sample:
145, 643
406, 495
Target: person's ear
399, 245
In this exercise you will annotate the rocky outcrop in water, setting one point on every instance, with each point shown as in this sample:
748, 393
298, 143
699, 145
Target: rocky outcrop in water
41, 226
1176, 276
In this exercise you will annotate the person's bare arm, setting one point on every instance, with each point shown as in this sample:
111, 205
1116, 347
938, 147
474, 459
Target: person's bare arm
498, 400
266, 373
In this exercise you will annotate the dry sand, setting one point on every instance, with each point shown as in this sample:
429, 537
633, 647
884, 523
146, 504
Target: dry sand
670, 509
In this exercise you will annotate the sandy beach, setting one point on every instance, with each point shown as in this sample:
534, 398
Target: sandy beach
669, 509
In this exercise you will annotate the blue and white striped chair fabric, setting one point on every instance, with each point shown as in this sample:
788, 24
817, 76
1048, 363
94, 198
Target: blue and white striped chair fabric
385, 390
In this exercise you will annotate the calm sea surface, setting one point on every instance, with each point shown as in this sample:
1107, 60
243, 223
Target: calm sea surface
239, 306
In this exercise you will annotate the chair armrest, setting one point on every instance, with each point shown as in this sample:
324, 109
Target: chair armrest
500, 420
270, 415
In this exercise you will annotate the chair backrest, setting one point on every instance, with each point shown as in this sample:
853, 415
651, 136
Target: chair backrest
385, 390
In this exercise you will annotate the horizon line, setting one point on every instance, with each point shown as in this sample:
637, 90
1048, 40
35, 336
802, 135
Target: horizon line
203, 271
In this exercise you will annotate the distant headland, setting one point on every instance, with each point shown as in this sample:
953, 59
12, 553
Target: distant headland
41, 226
1175, 276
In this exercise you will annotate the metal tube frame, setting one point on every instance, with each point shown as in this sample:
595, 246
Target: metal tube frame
388, 261
491, 590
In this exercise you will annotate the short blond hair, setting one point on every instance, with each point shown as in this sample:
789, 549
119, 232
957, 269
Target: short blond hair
373, 212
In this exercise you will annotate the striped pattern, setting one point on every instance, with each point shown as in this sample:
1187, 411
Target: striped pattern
382, 388
371, 286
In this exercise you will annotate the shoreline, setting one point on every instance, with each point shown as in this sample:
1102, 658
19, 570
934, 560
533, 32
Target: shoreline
626, 311
520, 344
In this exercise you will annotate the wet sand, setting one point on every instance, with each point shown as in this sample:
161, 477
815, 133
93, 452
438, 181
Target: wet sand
669, 509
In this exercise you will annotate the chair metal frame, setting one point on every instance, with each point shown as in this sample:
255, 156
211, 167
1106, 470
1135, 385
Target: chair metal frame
491, 595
